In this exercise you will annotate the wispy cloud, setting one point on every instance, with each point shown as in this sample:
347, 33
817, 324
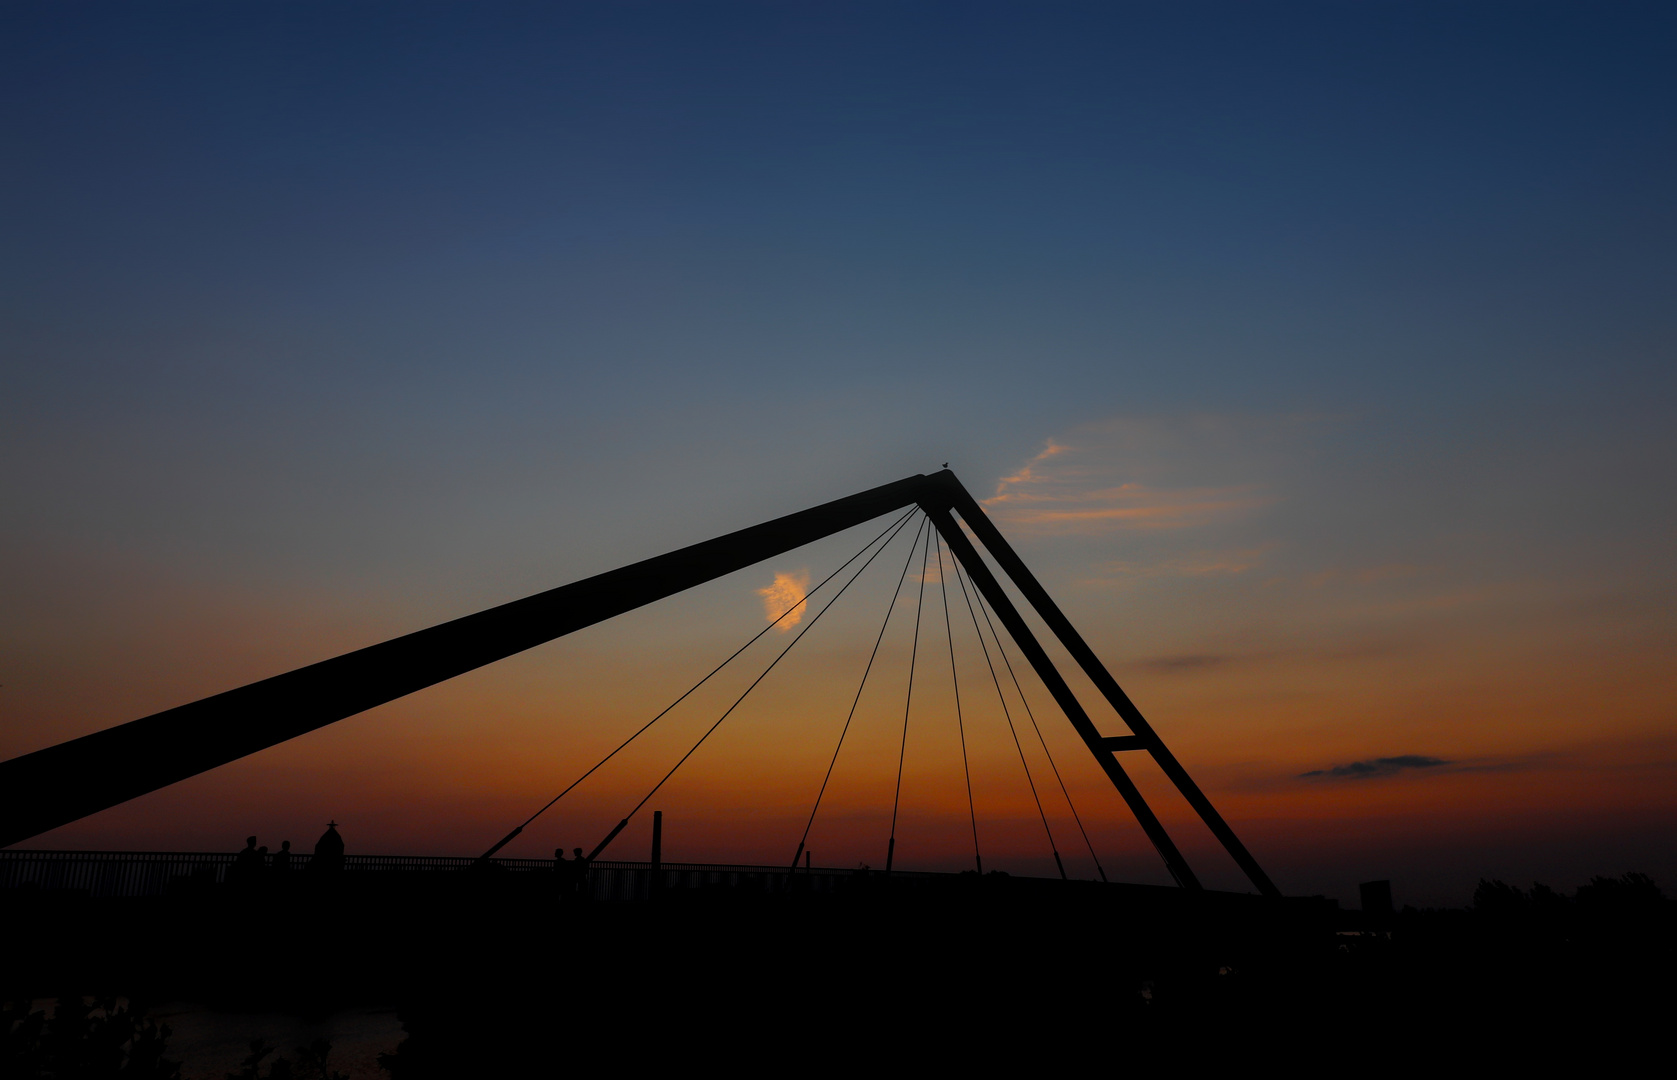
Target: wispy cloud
786, 594
1030, 473
1198, 565
1129, 474
1376, 767
1186, 663
1365, 576
1131, 506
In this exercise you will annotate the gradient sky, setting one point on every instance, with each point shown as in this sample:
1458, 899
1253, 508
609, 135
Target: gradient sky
1319, 358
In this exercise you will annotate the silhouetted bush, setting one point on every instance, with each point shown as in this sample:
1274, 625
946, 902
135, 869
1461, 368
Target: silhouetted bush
86, 1039
311, 1063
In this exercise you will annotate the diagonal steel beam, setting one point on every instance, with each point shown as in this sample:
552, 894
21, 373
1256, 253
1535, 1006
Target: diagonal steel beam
1050, 675
957, 498
57, 785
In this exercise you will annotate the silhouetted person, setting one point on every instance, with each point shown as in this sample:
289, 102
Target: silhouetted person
247, 864
282, 857
579, 874
561, 870
328, 850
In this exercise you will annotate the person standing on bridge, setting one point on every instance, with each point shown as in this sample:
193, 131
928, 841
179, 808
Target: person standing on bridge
579, 874
282, 858
247, 864
565, 874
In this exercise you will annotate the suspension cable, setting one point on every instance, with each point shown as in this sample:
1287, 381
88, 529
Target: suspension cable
960, 578
508, 838
1023, 700
890, 609
914, 652
621, 825
960, 724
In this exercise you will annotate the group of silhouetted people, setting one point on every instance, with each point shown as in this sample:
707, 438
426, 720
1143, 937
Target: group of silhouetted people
253, 863
573, 873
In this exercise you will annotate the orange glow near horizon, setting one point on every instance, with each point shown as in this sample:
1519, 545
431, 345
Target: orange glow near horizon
1348, 718
1318, 364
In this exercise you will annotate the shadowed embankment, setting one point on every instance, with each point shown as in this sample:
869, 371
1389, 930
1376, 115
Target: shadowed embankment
500, 973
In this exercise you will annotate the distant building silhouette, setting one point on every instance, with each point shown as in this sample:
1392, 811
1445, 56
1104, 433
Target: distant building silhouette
1376, 897
328, 850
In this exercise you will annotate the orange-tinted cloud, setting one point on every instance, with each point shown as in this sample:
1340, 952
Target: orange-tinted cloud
1109, 477
1127, 506
786, 596
1193, 565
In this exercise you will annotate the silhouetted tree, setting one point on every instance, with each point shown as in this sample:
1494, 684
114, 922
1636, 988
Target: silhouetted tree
1629, 904
1633, 890
1498, 899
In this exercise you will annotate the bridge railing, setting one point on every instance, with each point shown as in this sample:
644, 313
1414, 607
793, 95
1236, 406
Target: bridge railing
106, 874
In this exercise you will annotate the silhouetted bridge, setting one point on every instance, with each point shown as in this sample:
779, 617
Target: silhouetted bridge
51, 787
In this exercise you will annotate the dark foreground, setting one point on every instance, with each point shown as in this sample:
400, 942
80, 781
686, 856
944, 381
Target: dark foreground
499, 975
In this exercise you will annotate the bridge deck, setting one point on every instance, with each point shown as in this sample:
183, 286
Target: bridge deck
133, 874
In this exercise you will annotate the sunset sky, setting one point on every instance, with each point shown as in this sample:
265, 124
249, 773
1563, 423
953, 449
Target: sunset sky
1319, 358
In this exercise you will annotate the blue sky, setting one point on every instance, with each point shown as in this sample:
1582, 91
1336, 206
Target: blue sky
326, 321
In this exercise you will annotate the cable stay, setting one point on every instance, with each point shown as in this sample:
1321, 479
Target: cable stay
984, 607
890, 609
908, 700
509, 837
960, 724
896, 528
960, 579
